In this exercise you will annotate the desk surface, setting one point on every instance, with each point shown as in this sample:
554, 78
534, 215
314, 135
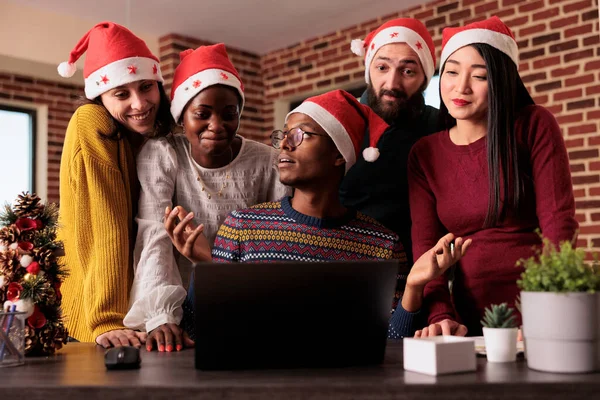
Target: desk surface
78, 372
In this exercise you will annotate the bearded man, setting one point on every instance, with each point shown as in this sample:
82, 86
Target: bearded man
399, 63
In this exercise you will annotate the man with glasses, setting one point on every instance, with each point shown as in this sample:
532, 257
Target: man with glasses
320, 143
399, 63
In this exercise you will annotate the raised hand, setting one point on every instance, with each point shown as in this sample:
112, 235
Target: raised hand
436, 261
186, 238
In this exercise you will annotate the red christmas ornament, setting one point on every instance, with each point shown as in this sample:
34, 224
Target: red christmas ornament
14, 291
26, 246
26, 224
34, 268
38, 224
37, 320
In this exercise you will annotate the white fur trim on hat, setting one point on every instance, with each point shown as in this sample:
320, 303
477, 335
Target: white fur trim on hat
200, 81
332, 126
404, 35
121, 72
498, 40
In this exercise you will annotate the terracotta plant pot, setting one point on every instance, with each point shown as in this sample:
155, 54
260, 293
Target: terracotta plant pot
561, 331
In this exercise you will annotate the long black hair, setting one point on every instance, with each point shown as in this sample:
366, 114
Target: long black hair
164, 120
506, 96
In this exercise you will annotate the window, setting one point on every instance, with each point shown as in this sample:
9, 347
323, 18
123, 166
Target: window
17, 152
432, 93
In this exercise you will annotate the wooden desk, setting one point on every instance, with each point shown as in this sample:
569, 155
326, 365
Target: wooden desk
78, 372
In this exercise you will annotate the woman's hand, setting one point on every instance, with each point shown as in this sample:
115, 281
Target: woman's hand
121, 337
188, 240
168, 337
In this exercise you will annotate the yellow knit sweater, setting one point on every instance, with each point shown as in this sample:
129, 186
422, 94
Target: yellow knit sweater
96, 224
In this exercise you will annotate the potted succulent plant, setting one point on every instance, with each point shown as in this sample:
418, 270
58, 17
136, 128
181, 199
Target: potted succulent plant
500, 333
560, 306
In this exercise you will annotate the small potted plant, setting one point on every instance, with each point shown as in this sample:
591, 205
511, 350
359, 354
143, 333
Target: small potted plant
560, 306
500, 333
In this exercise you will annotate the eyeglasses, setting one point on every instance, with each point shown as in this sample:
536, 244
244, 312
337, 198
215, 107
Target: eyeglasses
294, 137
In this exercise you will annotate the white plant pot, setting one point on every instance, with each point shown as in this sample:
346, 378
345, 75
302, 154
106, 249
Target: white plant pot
561, 331
500, 344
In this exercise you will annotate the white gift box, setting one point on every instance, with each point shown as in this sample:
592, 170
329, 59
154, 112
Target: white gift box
439, 355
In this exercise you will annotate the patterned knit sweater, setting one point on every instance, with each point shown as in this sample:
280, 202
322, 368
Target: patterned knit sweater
275, 231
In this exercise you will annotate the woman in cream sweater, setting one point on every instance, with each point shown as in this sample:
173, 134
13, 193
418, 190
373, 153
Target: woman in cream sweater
209, 170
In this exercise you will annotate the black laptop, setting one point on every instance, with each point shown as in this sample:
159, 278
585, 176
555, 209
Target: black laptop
292, 314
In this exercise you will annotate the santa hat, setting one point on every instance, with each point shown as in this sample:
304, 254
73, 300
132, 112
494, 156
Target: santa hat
115, 57
401, 30
345, 120
491, 31
206, 66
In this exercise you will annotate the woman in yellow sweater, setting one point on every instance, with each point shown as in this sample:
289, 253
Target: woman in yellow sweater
98, 180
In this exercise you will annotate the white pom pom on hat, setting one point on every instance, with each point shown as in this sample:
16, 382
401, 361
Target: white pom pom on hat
371, 154
358, 47
66, 69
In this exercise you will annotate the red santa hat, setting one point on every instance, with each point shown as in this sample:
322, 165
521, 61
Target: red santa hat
345, 120
206, 66
491, 31
400, 30
115, 57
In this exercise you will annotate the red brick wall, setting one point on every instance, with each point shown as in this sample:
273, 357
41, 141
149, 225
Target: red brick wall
60, 99
248, 66
559, 46
559, 52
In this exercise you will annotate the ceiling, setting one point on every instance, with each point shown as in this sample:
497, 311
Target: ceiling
257, 26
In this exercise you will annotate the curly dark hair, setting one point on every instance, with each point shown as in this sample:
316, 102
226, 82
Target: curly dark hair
164, 119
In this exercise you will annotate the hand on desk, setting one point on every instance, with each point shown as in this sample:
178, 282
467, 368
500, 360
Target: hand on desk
121, 337
445, 327
168, 337
186, 238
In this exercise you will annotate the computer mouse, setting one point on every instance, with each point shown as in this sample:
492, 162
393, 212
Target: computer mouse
124, 357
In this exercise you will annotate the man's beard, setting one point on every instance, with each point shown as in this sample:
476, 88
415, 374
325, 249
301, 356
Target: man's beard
392, 111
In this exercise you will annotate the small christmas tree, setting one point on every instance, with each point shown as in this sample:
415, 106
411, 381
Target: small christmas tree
30, 273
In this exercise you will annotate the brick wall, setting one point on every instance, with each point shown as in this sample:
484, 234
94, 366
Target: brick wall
560, 63
248, 66
559, 52
60, 99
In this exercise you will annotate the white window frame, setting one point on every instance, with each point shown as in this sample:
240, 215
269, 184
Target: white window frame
41, 144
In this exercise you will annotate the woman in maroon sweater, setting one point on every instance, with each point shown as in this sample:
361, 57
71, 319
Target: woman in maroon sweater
496, 175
